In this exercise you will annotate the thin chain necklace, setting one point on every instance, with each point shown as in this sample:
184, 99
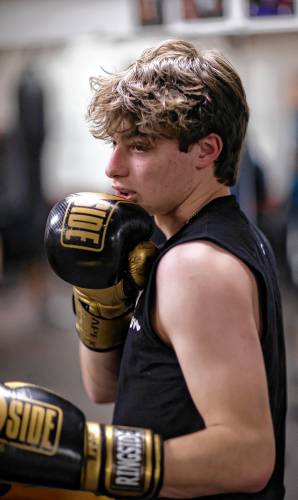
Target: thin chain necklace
196, 211
192, 216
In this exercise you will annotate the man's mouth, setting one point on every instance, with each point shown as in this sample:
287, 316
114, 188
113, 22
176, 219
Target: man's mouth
124, 193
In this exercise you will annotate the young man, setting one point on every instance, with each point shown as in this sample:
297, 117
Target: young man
203, 362
199, 377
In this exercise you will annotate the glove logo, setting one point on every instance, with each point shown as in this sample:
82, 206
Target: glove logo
85, 223
128, 460
30, 425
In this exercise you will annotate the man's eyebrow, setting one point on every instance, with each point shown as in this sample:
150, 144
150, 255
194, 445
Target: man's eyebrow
127, 140
138, 138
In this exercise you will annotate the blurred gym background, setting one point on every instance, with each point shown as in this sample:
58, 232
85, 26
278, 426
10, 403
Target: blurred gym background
48, 51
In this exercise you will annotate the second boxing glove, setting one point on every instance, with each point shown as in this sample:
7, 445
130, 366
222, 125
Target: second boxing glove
100, 244
46, 441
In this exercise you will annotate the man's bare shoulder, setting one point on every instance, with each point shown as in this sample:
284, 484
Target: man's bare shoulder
198, 284
202, 259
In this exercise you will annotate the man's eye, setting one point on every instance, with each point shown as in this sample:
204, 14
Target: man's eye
140, 147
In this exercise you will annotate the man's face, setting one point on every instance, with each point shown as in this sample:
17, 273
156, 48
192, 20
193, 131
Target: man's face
156, 175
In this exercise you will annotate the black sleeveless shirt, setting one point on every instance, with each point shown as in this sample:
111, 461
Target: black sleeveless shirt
152, 390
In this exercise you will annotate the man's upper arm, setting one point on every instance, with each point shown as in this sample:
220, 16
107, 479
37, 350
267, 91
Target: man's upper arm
207, 309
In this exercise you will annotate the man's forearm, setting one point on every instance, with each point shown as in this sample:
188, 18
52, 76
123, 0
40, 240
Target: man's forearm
100, 373
217, 460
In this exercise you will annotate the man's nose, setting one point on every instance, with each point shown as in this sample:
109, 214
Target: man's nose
117, 165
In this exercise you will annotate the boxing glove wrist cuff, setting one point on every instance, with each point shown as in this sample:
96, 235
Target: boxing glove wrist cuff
112, 296
108, 303
100, 327
122, 461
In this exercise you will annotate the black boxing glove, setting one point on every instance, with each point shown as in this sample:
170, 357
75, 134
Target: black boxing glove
46, 441
101, 244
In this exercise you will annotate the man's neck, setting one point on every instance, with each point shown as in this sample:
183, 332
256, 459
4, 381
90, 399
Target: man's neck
171, 222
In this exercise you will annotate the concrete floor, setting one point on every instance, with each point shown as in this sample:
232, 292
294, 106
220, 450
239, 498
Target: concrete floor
39, 345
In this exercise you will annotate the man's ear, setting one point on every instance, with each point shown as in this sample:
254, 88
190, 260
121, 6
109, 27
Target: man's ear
209, 149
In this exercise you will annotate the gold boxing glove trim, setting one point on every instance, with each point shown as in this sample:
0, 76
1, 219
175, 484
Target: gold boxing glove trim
122, 461
91, 470
158, 465
100, 326
133, 462
140, 260
108, 303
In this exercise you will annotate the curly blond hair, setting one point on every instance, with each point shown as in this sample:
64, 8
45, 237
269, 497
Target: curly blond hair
177, 91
